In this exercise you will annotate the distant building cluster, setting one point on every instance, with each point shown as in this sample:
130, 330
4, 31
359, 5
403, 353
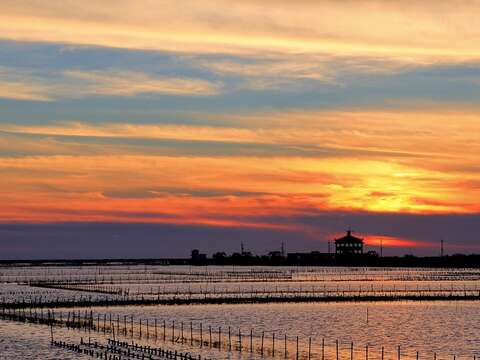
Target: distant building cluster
347, 247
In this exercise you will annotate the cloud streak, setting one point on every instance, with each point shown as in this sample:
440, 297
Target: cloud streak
131, 83
24, 91
19, 84
413, 32
336, 160
22, 86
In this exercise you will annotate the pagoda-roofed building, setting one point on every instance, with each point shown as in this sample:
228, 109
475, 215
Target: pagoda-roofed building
348, 245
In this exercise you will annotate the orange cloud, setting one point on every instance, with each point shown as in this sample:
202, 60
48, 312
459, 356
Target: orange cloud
130, 83
413, 32
76, 83
146, 131
391, 241
23, 91
447, 135
174, 186
221, 211
355, 161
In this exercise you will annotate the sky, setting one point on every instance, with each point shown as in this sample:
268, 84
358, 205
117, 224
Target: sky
147, 128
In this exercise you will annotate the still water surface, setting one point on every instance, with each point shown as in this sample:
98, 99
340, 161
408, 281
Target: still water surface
446, 328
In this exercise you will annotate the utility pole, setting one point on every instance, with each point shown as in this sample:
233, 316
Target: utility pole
283, 249
329, 247
242, 248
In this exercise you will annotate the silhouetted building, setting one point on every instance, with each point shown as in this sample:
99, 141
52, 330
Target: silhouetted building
219, 256
311, 258
198, 258
348, 245
275, 254
372, 253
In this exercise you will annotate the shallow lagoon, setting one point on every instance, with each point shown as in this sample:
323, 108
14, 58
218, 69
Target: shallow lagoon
446, 328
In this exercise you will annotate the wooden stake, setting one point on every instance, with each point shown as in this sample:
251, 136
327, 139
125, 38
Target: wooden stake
309, 348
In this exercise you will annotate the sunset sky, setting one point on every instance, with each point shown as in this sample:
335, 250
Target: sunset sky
146, 128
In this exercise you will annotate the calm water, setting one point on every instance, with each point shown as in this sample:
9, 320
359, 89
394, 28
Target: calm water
446, 328
19, 341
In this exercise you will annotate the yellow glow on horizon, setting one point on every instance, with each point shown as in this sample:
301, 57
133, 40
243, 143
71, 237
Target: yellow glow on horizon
367, 165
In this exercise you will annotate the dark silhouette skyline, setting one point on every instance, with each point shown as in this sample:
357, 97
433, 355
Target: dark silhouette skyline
117, 240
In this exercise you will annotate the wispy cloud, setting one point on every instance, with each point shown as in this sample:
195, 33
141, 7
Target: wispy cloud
276, 73
145, 131
380, 161
18, 85
392, 241
294, 71
131, 83
442, 136
19, 90
415, 32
